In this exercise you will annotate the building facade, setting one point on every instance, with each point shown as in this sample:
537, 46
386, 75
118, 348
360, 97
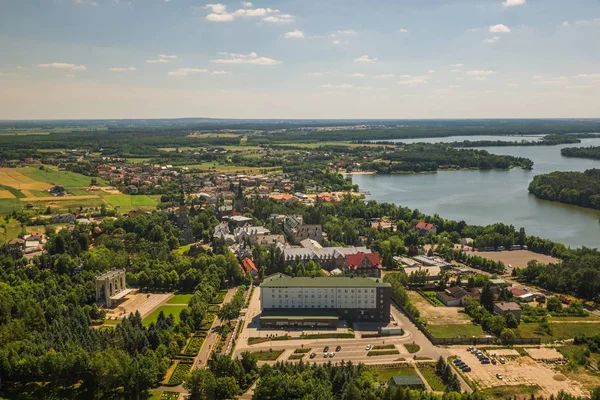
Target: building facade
357, 299
111, 287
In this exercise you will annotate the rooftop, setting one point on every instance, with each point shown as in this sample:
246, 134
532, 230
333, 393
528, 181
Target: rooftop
281, 280
409, 380
508, 306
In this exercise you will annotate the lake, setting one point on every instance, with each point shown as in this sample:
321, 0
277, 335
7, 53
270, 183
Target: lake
486, 197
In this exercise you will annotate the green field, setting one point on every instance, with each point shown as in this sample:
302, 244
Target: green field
428, 372
560, 330
385, 374
7, 206
459, 330
12, 190
175, 310
180, 299
60, 178
127, 201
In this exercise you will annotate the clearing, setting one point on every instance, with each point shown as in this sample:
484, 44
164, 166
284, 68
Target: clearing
180, 299
516, 258
560, 330
127, 201
438, 315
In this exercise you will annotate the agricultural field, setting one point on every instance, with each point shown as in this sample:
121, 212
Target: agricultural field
127, 201
10, 229
175, 310
52, 176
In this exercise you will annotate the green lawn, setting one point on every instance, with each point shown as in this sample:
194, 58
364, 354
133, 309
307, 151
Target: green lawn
10, 229
268, 355
175, 310
559, 330
124, 200
385, 374
53, 176
182, 249
428, 372
412, 348
180, 299
459, 330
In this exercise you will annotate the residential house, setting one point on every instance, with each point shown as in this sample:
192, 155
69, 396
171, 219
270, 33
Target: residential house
363, 264
250, 268
426, 229
452, 297
508, 307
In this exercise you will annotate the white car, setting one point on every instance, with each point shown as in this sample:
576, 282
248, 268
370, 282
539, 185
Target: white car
368, 347
499, 376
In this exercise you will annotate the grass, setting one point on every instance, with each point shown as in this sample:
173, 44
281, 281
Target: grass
131, 201
7, 206
374, 353
53, 176
302, 351
458, 330
10, 229
383, 347
182, 249
431, 298
256, 340
175, 310
271, 355
328, 336
179, 374
111, 321
505, 392
428, 372
296, 357
560, 331
13, 191
385, 374
180, 299
194, 345
412, 348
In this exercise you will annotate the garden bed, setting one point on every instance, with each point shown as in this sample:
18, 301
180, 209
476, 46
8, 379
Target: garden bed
180, 373
219, 297
412, 348
194, 345
374, 353
328, 336
383, 347
296, 357
270, 355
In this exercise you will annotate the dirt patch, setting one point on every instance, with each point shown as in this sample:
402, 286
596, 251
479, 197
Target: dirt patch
516, 258
110, 190
544, 353
17, 180
560, 377
6, 194
519, 371
438, 315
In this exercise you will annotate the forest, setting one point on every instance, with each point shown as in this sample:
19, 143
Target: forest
577, 188
592, 152
548, 140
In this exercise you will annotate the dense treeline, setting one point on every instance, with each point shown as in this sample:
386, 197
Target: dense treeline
548, 140
425, 157
578, 188
592, 152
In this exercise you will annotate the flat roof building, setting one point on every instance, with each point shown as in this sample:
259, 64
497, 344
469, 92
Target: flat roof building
356, 299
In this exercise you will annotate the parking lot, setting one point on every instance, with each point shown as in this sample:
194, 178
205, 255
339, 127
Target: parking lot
518, 371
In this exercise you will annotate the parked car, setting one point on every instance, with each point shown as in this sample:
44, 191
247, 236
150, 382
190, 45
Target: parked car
326, 349
325, 355
494, 361
368, 347
331, 355
485, 361
457, 361
502, 360
338, 348
499, 376
469, 348
466, 368
312, 355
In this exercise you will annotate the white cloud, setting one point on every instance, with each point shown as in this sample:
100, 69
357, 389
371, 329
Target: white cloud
59, 65
250, 58
454, 71
168, 57
537, 77
217, 8
384, 76
365, 59
458, 65
295, 34
455, 86
513, 3
460, 79
220, 72
590, 76
413, 81
500, 28
186, 71
491, 40
481, 78
512, 84
347, 32
342, 86
87, 2
219, 13
443, 91
336, 42
121, 69
403, 30
219, 17
565, 24
358, 75
431, 71
473, 30
480, 73
587, 21
552, 82
579, 87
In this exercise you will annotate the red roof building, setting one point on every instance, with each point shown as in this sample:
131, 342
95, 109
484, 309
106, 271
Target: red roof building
249, 267
426, 228
364, 264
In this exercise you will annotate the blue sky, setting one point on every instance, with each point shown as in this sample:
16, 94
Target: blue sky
299, 59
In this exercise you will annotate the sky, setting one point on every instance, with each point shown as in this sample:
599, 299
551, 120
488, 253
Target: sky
71, 59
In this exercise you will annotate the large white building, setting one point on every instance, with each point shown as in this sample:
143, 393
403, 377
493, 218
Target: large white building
362, 299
